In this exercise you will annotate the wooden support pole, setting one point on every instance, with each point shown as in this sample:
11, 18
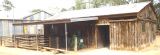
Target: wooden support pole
49, 38
96, 43
14, 38
57, 42
37, 39
1, 41
66, 35
75, 43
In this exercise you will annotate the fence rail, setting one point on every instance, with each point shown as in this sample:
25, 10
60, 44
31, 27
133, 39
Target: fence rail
6, 41
29, 41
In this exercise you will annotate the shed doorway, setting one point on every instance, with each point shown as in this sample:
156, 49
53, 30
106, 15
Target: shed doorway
103, 36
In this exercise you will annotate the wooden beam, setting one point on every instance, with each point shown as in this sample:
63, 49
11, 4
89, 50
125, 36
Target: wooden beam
44, 22
153, 21
66, 35
124, 20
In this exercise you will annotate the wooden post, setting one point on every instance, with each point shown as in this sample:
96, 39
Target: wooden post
14, 37
49, 41
37, 39
1, 40
75, 43
96, 37
49, 38
66, 35
57, 41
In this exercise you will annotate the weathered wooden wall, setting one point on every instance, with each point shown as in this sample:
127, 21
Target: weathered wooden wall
147, 19
136, 34
130, 34
123, 34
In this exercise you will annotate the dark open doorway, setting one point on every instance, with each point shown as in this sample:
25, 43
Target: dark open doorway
103, 36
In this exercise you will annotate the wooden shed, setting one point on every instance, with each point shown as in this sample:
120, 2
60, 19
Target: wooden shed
129, 27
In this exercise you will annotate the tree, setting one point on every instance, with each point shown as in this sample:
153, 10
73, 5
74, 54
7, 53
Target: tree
157, 8
63, 9
36, 10
136, 1
79, 5
97, 3
118, 2
8, 6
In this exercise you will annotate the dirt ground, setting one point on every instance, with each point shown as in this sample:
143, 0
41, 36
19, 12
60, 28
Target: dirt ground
18, 51
154, 49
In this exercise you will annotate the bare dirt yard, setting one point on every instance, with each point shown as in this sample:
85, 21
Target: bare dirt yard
154, 49
18, 51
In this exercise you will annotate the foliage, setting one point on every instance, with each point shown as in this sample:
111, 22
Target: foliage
141, 1
63, 9
117, 2
7, 5
157, 8
79, 5
36, 10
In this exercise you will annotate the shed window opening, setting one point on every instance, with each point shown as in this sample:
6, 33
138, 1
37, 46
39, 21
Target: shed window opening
143, 26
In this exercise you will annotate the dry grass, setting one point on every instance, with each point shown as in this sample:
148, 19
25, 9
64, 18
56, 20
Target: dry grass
154, 49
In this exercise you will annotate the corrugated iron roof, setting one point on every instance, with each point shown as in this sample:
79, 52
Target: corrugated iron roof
104, 11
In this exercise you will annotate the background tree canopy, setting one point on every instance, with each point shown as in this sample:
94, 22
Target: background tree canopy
36, 10
7, 5
83, 4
